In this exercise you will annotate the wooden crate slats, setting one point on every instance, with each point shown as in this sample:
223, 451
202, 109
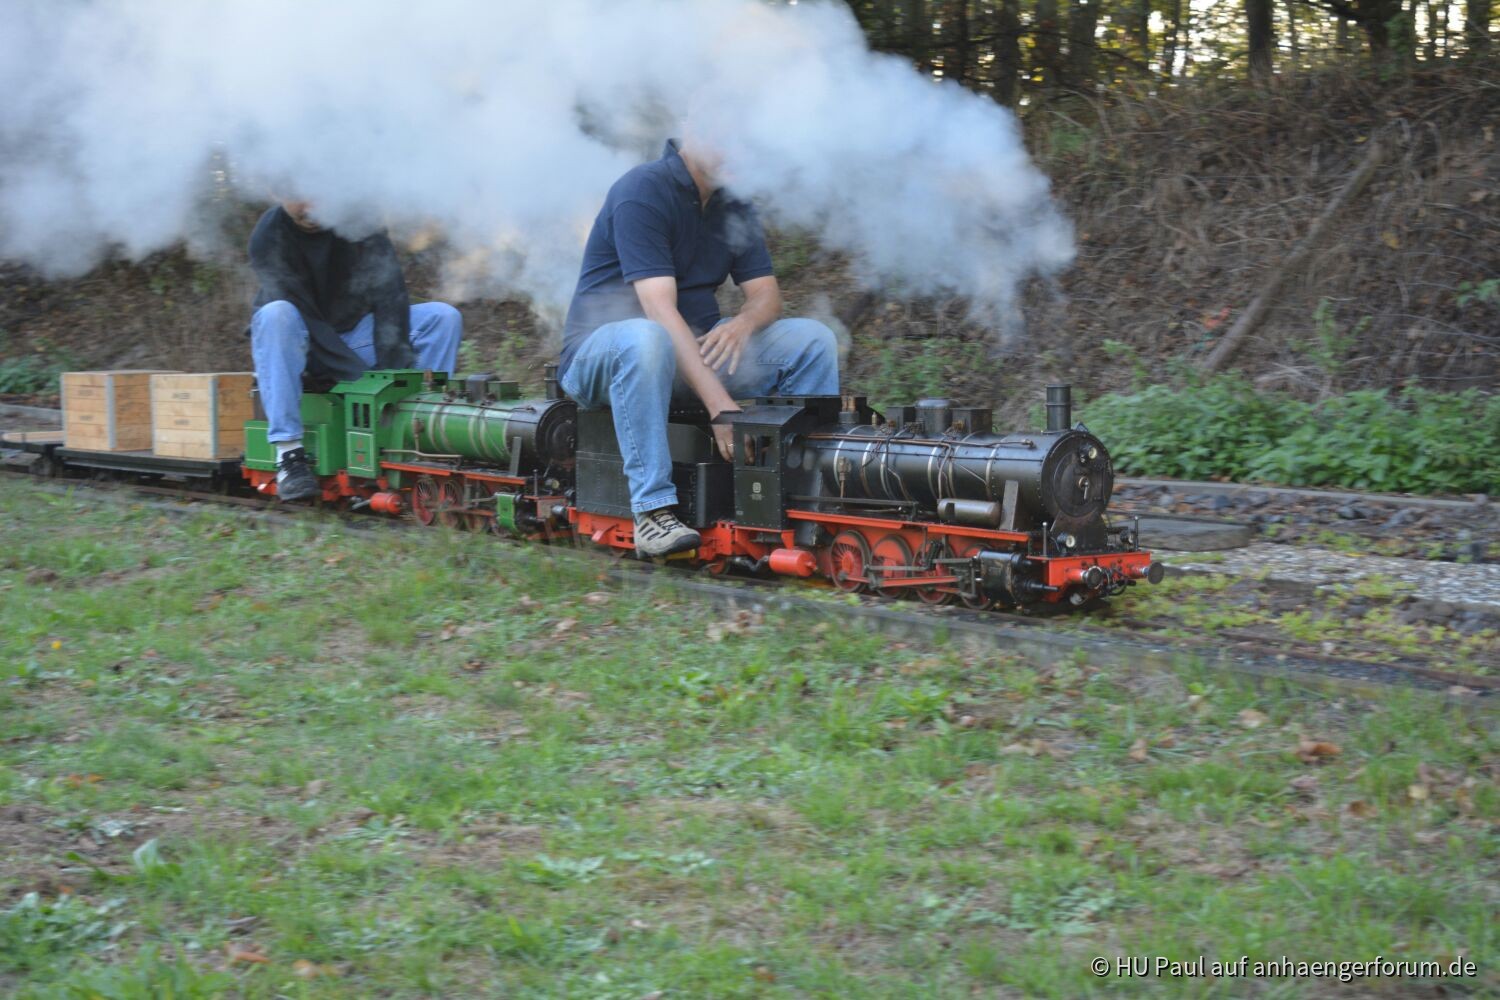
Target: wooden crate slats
200, 415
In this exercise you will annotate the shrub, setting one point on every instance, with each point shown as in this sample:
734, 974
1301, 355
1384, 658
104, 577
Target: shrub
1198, 432
1417, 441
28, 374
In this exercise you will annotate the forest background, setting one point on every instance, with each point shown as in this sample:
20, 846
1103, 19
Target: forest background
1315, 180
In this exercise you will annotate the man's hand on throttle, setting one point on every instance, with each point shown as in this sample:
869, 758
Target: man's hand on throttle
724, 435
726, 342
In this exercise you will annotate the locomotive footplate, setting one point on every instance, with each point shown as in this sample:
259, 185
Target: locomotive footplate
1018, 578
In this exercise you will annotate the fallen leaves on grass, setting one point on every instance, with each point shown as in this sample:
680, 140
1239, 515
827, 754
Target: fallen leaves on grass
1252, 719
1307, 784
742, 622
303, 969
1138, 751
1033, 748
1316, 751
564, 626
246, 956
596, 598
474, 666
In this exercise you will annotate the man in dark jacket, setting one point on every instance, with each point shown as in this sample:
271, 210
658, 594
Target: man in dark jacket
335, 308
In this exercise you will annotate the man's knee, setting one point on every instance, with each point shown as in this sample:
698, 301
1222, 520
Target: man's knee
278, 326
645, 345
816, 338
446, 317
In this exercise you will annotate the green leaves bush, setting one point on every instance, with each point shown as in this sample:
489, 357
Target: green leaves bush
28, 374
1214, 429
1416, 441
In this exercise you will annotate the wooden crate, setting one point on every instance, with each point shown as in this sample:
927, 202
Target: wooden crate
200, 415
107, 411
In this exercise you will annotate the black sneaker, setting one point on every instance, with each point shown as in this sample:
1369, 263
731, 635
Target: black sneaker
659, 533
294, 479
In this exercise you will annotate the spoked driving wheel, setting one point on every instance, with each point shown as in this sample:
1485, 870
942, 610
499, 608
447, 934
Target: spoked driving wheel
889, 552
424, 499
850, 561
450, 507
968, 550
932, 595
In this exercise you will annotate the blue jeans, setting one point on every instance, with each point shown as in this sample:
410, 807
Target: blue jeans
630, 367
278, 343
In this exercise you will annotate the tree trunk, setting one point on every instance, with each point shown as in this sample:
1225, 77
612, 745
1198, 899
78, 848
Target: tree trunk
1007, 51
1262, 39
885, 17
1477, 25
1379, 18
1143, 31
1294, 42
1083, 19
1048, 44
957, 68
1169, 44
1291, 261
918, 34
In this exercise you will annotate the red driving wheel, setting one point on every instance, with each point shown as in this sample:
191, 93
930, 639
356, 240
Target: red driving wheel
849, 558
932, 595
891, 550
424, 499
450, 505
967, 549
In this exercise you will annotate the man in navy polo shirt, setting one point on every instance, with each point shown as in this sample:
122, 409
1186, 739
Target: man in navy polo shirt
645, 325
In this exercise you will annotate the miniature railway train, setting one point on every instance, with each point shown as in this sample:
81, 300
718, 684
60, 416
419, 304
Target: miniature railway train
924, 501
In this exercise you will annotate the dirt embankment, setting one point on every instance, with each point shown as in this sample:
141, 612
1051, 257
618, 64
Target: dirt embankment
1182, 207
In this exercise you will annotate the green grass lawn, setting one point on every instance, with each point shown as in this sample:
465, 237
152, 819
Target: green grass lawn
312, 761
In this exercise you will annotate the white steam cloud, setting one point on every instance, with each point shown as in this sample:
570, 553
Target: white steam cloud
501, 124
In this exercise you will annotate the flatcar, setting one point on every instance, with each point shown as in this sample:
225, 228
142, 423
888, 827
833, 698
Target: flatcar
923, 501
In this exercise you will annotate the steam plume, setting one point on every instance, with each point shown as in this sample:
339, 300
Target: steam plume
502, 124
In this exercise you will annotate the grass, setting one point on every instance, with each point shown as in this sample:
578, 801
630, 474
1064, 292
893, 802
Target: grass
310, 761
1201, 606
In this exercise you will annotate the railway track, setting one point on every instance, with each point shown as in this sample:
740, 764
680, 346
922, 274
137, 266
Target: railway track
1026, 635
1185, 487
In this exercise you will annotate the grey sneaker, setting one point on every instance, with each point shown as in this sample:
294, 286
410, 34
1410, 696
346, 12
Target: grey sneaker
659, 533
294, 480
